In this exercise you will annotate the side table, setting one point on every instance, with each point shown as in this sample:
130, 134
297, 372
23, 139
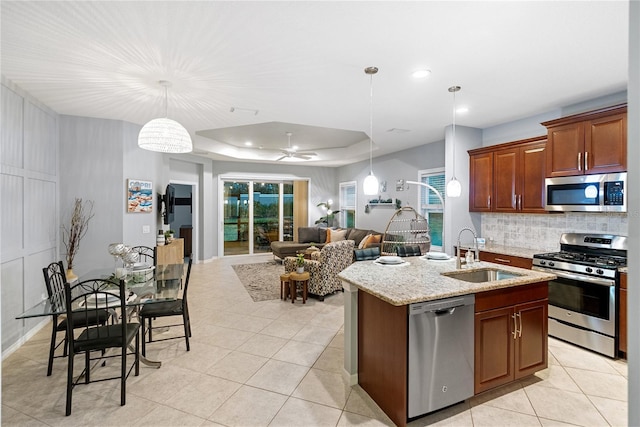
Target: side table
294, 280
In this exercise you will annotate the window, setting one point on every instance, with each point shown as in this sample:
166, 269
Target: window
431, 206
348, 204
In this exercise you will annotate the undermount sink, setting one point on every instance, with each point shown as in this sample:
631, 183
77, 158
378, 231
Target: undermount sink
481, 276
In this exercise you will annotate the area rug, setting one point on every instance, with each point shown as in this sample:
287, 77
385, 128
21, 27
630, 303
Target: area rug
261, 280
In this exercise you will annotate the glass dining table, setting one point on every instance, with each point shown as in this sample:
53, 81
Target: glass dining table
147, 286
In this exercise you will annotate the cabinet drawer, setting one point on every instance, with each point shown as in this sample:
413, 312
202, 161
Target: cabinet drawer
511, 296
513, 261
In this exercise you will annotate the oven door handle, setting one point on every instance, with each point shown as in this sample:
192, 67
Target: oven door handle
578, 277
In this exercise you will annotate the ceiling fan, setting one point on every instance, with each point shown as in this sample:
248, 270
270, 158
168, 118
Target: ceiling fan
293, 153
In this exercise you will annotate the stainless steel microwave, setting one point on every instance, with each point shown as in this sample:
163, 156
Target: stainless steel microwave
587, 193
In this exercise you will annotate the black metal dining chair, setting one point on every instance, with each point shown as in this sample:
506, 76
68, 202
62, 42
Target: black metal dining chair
84, 301
54, 280
179, 307
147, 254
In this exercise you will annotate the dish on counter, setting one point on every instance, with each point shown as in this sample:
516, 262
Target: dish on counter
389, 260
140, 266
391, 264
99, 299
437, 256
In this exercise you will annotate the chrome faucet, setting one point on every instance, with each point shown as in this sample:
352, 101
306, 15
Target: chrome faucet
475, 241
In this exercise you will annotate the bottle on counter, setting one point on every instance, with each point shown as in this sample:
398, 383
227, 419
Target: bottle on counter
469, 258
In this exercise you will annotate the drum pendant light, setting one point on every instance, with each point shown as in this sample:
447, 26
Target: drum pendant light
165, 135
454, 189
370, 184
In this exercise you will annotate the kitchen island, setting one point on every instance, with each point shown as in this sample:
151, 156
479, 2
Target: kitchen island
377, 299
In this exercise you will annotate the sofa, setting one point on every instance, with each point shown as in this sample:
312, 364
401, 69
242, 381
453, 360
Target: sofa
318, 236
324, 266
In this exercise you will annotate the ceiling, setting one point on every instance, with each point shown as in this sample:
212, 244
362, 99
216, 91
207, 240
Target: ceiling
298, 67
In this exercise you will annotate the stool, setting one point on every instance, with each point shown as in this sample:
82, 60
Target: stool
284, 286
294, 280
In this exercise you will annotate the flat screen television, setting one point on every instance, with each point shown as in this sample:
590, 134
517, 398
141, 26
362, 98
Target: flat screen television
169, 204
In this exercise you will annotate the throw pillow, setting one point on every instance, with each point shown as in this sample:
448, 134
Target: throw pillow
336, 235
364, 241
375, 238
357, 235
308, 234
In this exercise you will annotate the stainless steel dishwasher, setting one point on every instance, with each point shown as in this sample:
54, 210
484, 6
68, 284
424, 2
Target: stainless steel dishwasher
440, 353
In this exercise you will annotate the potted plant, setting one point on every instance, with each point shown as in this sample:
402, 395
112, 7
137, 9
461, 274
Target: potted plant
75, 231
300, 263
168, 235
329, 218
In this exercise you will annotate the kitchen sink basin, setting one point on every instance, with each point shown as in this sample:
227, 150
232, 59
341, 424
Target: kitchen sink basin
481, 276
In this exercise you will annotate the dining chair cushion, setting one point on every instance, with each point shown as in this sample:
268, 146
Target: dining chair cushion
92, 317
408, 250
103, 337
160, 309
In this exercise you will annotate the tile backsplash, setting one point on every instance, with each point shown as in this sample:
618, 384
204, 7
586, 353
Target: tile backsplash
543, 231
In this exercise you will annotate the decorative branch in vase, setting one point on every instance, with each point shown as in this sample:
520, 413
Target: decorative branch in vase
75, 231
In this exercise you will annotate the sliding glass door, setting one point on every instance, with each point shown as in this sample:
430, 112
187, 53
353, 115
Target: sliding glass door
256, 213
236, 218
266, 215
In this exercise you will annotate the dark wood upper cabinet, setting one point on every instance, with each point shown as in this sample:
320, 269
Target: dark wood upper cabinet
588, 143
481, 181
508, 177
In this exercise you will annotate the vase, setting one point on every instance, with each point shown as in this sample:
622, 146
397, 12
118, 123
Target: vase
71, 276
300, 270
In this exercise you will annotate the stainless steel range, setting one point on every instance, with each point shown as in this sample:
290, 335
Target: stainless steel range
582, 300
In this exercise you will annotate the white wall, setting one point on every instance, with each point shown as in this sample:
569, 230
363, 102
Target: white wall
457, 215
98, 156
29, 223
390, 168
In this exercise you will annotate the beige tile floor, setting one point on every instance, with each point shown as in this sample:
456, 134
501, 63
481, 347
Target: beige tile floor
277, 364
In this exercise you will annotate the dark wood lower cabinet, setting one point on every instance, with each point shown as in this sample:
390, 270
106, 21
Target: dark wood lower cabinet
510, 335
622, 316
513, 261
382, 354
510, 343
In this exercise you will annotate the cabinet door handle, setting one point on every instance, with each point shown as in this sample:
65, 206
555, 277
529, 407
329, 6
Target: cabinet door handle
520, 329
586, 160
520, 201
515, 326
508, 261
579, 161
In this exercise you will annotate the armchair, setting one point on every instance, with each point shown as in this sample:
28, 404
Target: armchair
324, 266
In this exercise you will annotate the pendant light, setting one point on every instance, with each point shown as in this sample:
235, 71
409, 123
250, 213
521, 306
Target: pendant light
165, 135
370, 184
454, 189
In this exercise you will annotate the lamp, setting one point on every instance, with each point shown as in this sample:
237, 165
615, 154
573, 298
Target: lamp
165, 135
370, 184
453, 186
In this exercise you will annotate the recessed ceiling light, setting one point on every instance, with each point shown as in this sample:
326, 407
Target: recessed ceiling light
421, 73
248, 143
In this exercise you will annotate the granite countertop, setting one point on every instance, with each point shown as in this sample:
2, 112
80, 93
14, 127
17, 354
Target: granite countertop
420, 279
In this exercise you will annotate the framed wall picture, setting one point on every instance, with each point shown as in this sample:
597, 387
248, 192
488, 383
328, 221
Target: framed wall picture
139, 196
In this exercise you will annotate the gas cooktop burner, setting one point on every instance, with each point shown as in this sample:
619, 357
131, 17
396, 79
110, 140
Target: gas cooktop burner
585, 259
